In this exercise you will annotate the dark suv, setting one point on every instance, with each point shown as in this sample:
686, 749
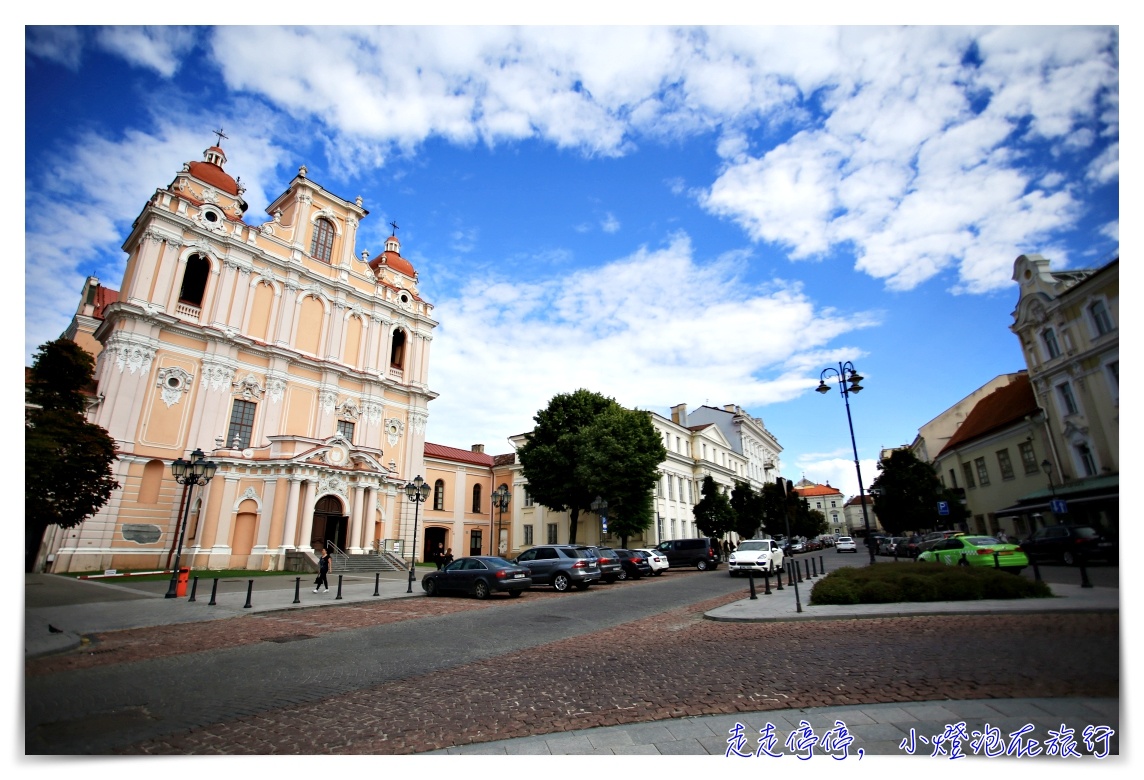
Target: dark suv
561, 565
609, 563
634, 565
701, 553
1070, 543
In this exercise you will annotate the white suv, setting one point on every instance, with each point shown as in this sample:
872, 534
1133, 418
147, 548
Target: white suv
846, 544
756, 555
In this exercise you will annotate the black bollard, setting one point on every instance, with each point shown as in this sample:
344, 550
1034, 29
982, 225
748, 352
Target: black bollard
297, 589
751, 577
996, 561
377, 583
249, 591
790, 573
821, 566
1084, 582
813, 568
766, 582
806, 569
339, 596
1036, 568
779, 576
214, 589
194, 587
895, 553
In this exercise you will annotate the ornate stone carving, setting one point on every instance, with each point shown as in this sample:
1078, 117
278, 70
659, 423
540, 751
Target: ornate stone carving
251, 495
134, 357
217, 376
275, 388
419, 419
394, 428
327, 400
333, 484
174, 382
248, 388
209, 195
349, 409
372, 411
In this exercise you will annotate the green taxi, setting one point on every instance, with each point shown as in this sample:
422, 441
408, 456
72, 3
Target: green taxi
965, 550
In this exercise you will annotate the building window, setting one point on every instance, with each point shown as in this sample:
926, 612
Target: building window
953, 477
1005, 464
1113, 369
1087, 461
195, 276
982, 472
1049, 339
671, 487
1100, 318
241, 424
528, 501
552, 533
475, 542
528, 535
346, 430
397, 352
1029, 458
322, 244
476, 499
967, 469
1068, 400
439, 495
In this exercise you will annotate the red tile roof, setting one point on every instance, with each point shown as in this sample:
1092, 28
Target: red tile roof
453, 453
1001, 408
213, 175
818, 490
104, 297
394, 261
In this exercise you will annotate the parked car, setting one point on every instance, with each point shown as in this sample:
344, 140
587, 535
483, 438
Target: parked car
908, 548
701, 553
609, 563
812, 545
561, 565
479, 576
888, 546
932, 538
656, 560
963, 550
633, 564
796, 546
846, 544
1068, 543
755, 555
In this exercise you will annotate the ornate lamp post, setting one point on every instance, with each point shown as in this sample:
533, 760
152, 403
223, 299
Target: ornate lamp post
188, 474
416, 491
848, 379
501, 497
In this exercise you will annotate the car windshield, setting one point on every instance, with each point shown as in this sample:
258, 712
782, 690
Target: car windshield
497, 563
979, 541
754, 545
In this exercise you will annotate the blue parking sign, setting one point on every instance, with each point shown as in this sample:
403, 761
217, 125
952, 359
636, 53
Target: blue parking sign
943, 507
1058, 506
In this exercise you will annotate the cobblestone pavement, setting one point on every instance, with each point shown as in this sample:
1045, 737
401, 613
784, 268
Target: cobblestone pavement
671, 665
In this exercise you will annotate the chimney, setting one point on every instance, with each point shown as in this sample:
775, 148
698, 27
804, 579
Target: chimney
679, 414
479, 448
730, 408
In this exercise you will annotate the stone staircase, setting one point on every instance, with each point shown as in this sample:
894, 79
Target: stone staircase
370, 562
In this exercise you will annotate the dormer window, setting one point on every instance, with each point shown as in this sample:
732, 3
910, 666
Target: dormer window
322, 244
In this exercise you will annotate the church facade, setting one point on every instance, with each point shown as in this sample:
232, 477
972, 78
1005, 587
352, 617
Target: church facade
297, 365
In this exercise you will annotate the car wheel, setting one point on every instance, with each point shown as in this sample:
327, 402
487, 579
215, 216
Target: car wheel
622, 576
515, 594
701, 565
609, 580
430, 588
481, 590
1067, 558
962, 562
582, 585
561, 582
657, 572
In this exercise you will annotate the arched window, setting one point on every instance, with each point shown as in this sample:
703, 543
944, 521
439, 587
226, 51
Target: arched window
439, 494
195, 280
397, 354
476, 499
153, 474
322, 244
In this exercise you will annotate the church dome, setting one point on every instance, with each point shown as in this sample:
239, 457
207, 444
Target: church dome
209, 170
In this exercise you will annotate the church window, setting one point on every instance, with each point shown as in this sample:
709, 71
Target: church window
346, 430
241, 424
195, 276
397, 353
439, 495
476, 499
322, 244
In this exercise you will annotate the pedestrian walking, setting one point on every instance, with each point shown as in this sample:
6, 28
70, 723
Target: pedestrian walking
439, 556
447, 558
323, 570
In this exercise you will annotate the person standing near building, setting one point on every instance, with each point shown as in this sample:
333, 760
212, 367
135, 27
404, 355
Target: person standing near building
323, 570
447, 558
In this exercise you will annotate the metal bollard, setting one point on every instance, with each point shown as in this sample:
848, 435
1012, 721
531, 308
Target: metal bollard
339, 596
996, 561
194, 587
377, 583
1084, 582
767, 582
1036, 568
249, 591
798, 570
751, 577
821, 566
813, 568
214, 589
779, 575
297, 589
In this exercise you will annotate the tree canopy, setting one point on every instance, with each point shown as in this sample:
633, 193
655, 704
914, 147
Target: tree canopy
68, 472
713, 514
750, 510
584, 446
906, 495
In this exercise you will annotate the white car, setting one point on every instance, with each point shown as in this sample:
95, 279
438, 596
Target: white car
846, 544
756, 555
657, 560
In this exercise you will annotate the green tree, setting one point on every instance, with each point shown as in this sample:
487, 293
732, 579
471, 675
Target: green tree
713, 514
68, 471
809, 522
586, 445
750, 513
906, 495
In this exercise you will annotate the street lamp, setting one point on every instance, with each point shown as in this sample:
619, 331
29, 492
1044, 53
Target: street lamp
501, 497
416, 491
848, 379
188, 474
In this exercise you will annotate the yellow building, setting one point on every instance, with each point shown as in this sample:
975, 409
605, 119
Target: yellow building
297, 365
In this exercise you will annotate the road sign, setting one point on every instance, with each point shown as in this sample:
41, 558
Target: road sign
604, 521
1058, 506
943, 507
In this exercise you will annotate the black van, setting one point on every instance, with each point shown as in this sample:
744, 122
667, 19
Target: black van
701, 553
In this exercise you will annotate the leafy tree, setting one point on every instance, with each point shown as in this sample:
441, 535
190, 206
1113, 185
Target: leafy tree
749, 508
68, 471
809, 522
906, 494
775, 505
713, 514
586, 445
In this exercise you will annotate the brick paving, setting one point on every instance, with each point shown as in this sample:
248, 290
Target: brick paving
671, 665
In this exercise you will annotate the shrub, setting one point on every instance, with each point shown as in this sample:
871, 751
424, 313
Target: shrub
959, 584
1003, 585
834, 590
876, 592
917, 588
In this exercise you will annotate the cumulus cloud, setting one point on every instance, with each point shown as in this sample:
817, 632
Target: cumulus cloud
620, 329
159, 48
61, 45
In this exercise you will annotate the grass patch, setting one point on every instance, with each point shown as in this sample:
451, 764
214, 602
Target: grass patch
885, 583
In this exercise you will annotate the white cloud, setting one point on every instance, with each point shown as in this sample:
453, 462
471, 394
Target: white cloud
159, 48
62, 45
835, 468
623, 330
609, 224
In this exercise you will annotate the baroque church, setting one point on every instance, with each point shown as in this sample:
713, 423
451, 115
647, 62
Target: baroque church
299, 367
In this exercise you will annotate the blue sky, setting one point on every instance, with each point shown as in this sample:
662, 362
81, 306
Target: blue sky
665, 215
